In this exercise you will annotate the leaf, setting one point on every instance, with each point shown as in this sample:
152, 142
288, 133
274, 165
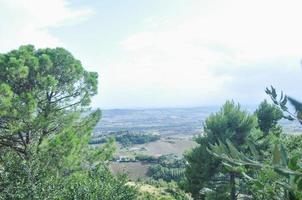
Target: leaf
228, 166
284, 158
293, 163
297, 105
284, 102
281, 98
276, 155
287, 171
285, 185
299, 184
247, 176
253, 149
273, 92
267, 91
233, 151
231, 168
290, 118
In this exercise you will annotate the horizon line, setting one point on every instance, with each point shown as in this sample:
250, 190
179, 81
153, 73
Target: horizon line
168, 107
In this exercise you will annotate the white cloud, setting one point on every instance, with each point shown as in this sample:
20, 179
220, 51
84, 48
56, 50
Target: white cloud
254, 29
29, 21
220, 49
203, 59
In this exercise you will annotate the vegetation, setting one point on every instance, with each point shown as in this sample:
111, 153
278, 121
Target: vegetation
154, 190
205, 172
168, 168
46, 127
146, 158
132, 138
44, 136
268, 116
127, 139
276, 176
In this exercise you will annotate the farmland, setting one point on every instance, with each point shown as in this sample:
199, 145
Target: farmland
177, 128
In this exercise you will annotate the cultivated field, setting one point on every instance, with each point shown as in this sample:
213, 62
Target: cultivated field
167, 145
177, 145
135, 170
176, 126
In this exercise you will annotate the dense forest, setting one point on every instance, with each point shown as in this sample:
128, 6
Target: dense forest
46, 127
126, 138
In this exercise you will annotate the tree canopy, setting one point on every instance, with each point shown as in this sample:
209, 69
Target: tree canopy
230, 123
268, 116
39, 88
45, 129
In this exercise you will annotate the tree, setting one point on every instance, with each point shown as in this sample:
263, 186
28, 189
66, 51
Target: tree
230, 123
45, 127
201, 169
39, 90
288, 167
282, 103
268, 116
66, 167
282, 170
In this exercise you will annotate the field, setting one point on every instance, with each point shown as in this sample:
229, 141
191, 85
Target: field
167, 145
135, 170
177, 128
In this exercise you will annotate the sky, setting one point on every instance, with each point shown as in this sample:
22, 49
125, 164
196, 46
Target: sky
168, 53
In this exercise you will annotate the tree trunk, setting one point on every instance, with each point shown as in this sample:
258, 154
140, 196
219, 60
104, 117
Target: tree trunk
232, 186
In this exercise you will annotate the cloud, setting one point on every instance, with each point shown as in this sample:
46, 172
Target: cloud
221, 50
30, 22
217, 50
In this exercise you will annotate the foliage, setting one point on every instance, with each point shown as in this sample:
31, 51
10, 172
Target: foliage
128, 139
201, 168
131, 139
287, 167
276, 174
229, 123
64, 168
45, 127
146, 158
268, 116
168, 168
282, 102
265, 185
39, 88
293, 143
204, 171
154, 190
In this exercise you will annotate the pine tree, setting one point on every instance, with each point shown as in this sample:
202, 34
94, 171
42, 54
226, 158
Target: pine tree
230, 123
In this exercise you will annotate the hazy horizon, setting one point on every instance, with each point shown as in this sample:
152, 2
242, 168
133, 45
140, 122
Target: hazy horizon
244, 106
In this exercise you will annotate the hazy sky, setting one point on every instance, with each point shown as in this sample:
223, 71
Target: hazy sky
168, 53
